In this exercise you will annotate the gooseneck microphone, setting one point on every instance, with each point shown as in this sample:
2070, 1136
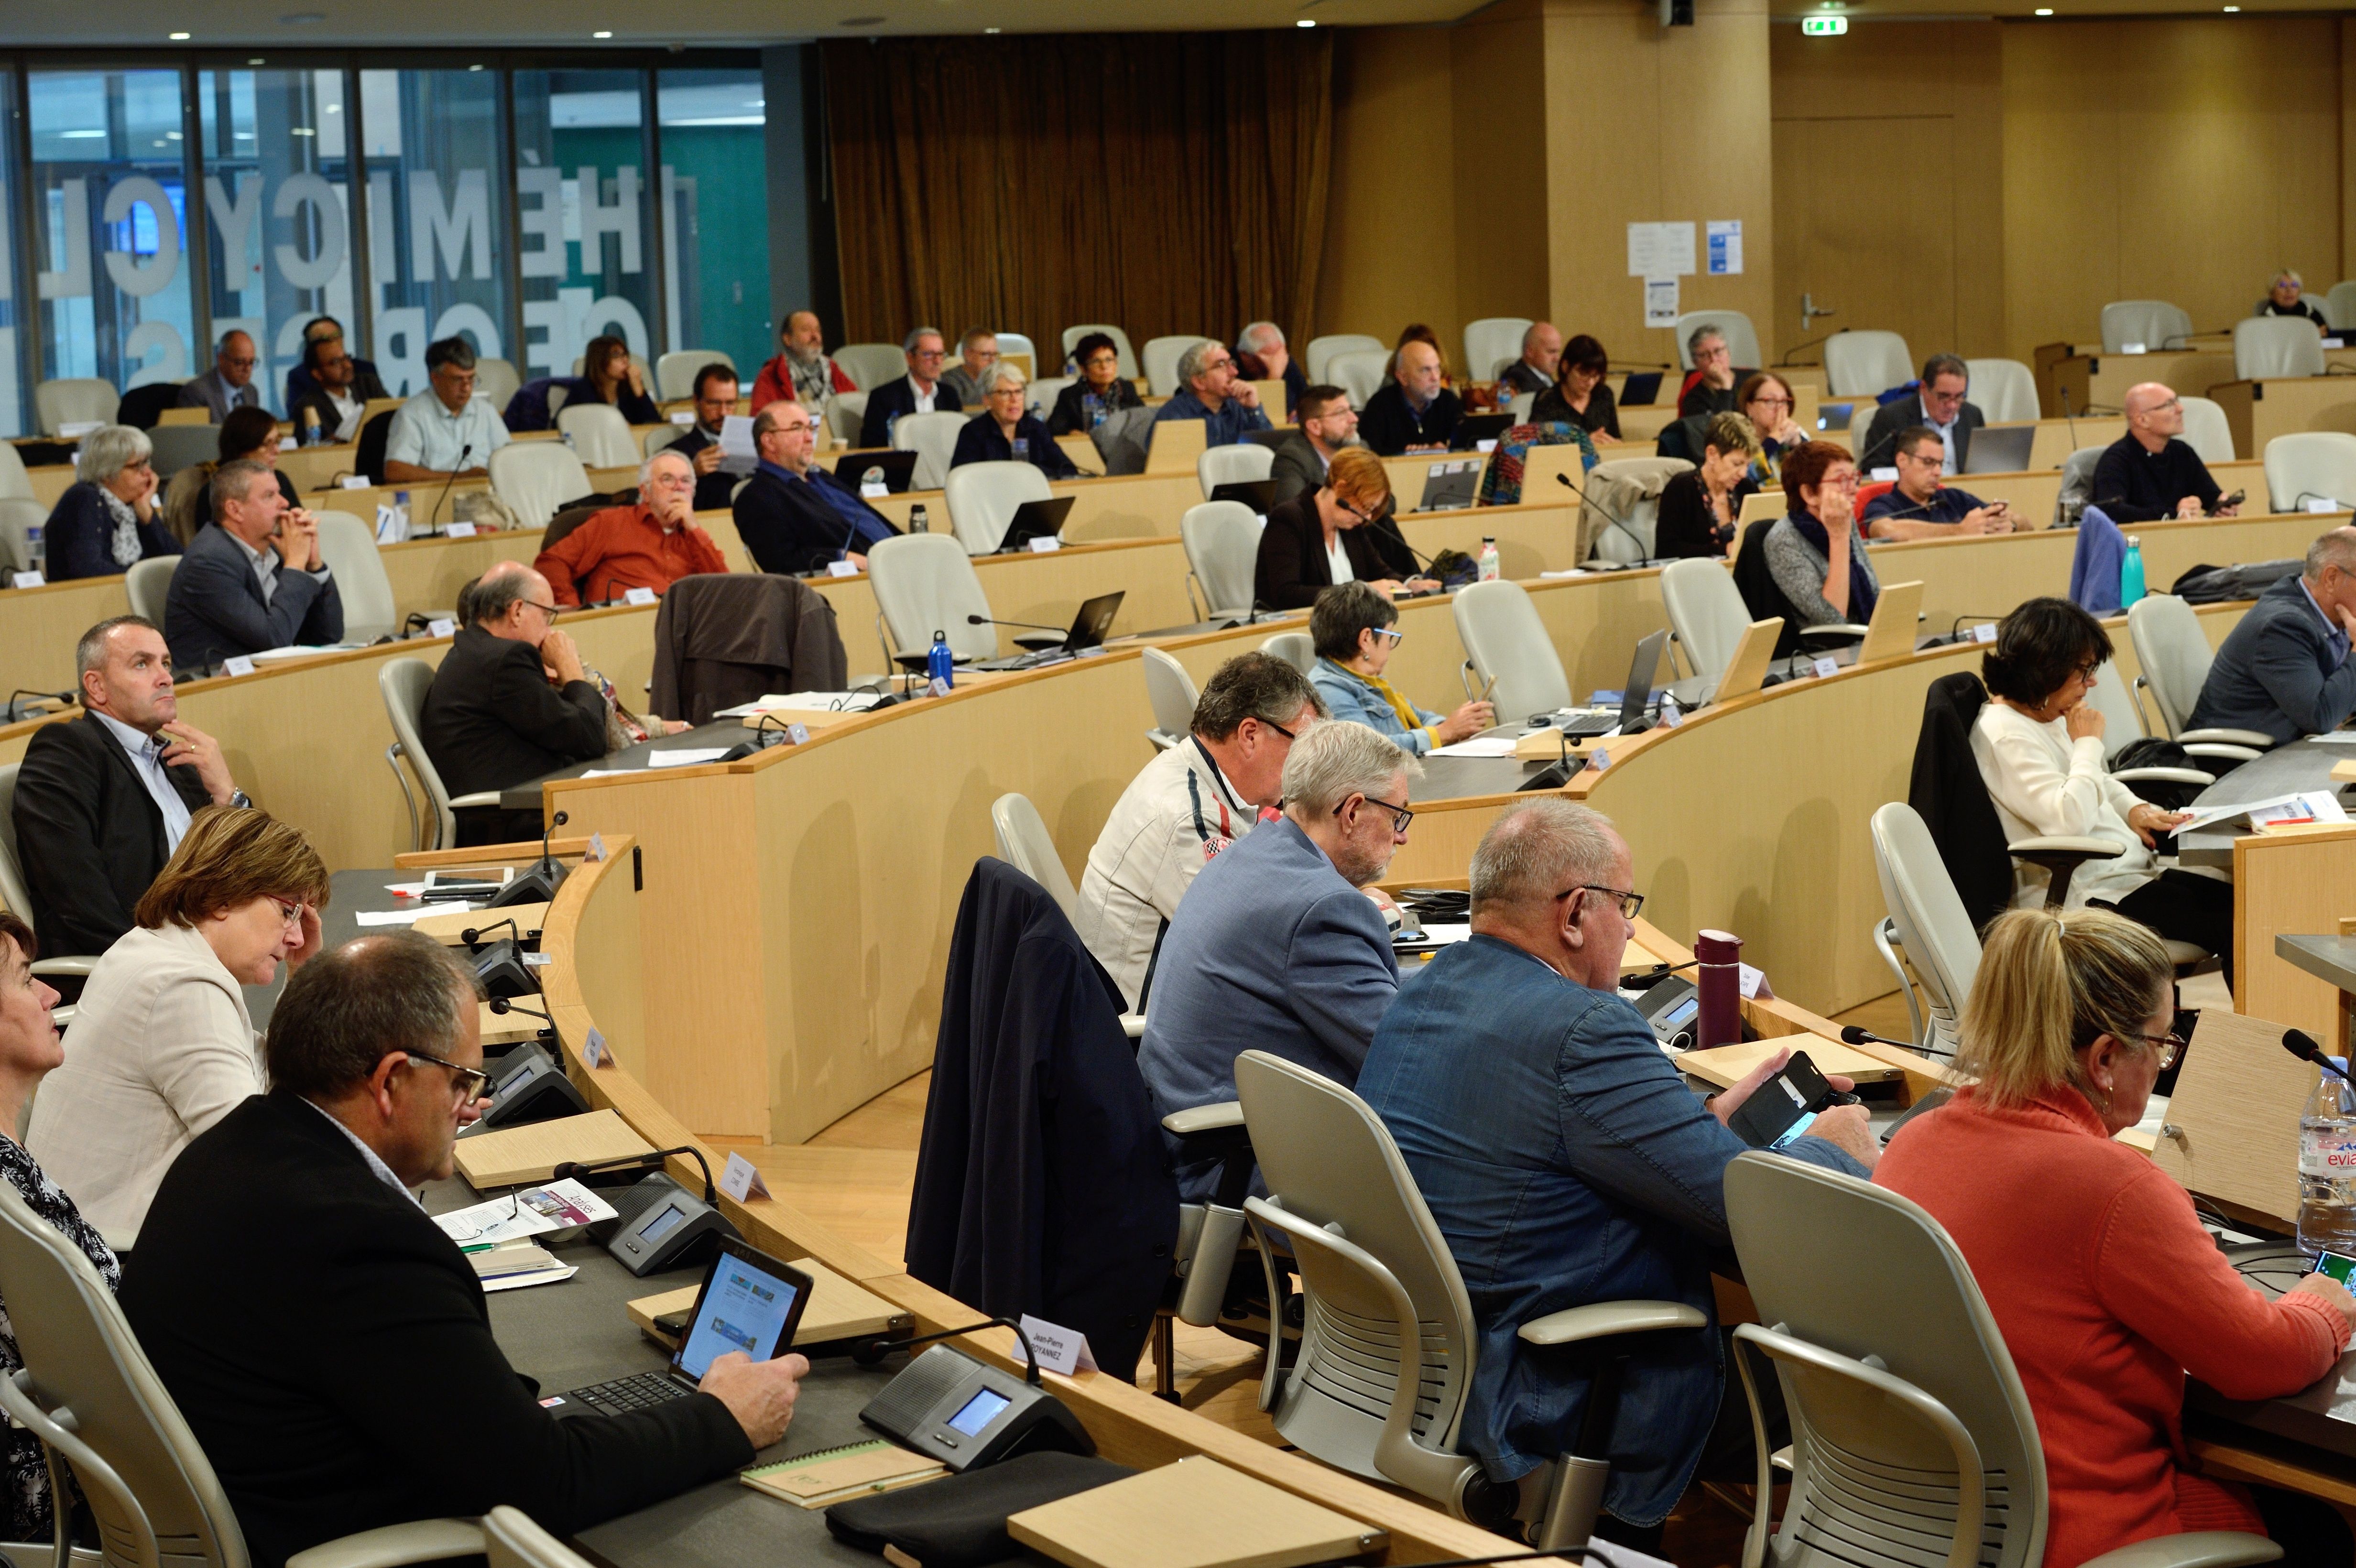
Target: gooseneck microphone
503, 1005
651, 1160
1031, 625
874, 1350
434, 516
1643, 554
1852, 1035
2301, 1044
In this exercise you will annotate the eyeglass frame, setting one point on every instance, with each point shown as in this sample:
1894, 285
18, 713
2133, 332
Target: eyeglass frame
1629, 902
458, 1075
2170, 1047
1400, 816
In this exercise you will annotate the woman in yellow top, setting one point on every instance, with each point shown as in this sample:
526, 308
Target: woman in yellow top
1352, 629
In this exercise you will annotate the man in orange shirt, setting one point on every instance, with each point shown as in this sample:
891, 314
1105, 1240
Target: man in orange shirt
650, 545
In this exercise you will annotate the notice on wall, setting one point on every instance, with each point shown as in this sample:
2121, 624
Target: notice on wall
1660, 250
1725, 236
1660, 302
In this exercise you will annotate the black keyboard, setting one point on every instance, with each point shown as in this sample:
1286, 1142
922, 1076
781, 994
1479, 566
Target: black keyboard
623, 1396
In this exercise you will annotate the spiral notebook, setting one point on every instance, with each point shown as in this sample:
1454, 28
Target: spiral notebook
832, 1474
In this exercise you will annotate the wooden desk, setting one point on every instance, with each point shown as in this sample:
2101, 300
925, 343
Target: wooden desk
2260, 410
2034, 494
2098, 382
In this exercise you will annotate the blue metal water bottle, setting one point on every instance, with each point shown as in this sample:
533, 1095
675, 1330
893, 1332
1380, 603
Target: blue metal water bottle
2131, 573
938, 663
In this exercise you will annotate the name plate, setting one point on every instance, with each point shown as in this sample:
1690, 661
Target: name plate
26, 579
639, 596
1045, 544
841, 569
459, 531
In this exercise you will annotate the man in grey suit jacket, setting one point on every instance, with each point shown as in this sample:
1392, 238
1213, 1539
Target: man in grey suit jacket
1939, 404
2285, 671
1327, 424
1275, 947
252, 581
230, 383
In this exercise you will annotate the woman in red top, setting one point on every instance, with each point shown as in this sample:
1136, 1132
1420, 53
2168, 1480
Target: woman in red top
2106, 1287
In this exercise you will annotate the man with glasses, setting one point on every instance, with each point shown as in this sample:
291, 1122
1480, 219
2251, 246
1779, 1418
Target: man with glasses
1414, 411
329, 1344
793, 516
230, 383
1937, 404
1276, 948
650, 545
920, 391
444, 429
1208, 390
1919, 507
2149, 473
1186, 807
1328, 423
510, 701
335, 386
2284, 669
1567, 1163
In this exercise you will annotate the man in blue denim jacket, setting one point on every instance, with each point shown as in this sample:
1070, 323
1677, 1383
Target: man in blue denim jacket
1563, 1157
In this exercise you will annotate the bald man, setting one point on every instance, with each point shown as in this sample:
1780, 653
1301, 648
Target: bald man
230, 383
511, 702
1413, 412
1535, 370
2149, 474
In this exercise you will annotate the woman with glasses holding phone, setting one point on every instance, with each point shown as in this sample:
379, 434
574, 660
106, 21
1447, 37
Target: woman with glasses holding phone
2041, 751
1339, 532
1354, 629
163, 1044
2107, 1290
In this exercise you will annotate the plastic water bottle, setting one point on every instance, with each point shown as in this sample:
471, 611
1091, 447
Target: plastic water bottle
1022, 449
919, 520
566, 437
37, 546
1488, 559
2327, 1169
2131, 574
891, 424
940, 664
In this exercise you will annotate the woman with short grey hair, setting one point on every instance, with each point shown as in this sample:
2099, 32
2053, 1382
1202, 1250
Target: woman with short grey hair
1006, 432
107, 520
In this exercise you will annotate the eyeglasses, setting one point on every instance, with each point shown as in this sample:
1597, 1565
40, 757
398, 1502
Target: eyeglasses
1280, 728
465, 1082
1400, 814
2167, 1047
550, 611
1770, 402
288, 914
1628, 902
931, 354
1939, 458
246, 364
1394, 637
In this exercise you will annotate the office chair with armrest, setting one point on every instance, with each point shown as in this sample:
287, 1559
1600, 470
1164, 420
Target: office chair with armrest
1866, 364
982, 499
600, 435
675, 372
404, 683
1493, 343
497, 380
19, 897
1222, 543
367, 448
1360, 373
1706, 616
537, 479
2206, 431
2169, 787
1913, 1439
2175, 656
141, 407
869, 365
2155, 324
1377, 1274
1765, 600
926, 583
1172, 693
1317, 360
1039, 397
2005, 391
2338, 307
511, 1539
74, 400
846, 413
2311, 462
1236, 464
1508, 644
1126, 355
1741, 336
1160, 356
148, 583
2276, 348
88, 1392
1294, 648
932, 438
19, 516
347, 548
14, 483
1024, 843
1017, 343
173, 447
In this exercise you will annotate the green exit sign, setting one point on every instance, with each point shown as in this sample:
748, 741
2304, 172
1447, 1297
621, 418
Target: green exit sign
1824, 26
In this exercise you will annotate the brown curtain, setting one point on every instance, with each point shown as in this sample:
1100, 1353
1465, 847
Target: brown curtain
1165, 182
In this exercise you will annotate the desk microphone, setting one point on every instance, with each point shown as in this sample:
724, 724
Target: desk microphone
503, 1005
2067, 419
870, 1351
1033, 626
473, 934
2301, 1044
432, 516
1852, 1035
651, 1160
18, 714
1643, 554
1390, 515
539, 884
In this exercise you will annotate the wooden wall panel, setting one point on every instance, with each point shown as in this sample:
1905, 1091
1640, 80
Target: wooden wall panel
1499, 61
1391, 205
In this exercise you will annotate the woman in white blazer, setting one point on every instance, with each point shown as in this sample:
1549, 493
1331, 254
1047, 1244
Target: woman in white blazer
163, 1045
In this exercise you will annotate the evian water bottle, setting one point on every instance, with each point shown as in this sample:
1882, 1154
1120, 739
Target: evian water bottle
2327, 1169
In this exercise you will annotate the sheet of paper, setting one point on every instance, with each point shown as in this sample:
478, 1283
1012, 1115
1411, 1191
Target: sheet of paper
2314, 805
736, 451
1660, 250
1438, 934
815, 702
1725, 247
2205, 816
1478, 746
686, 757
558, 1206
408, 916
1661, 302
525, 1281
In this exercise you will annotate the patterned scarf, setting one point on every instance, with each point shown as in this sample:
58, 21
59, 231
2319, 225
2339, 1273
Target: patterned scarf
126, 544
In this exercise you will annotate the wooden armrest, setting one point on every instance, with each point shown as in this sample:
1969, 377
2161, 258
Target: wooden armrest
1606, 1319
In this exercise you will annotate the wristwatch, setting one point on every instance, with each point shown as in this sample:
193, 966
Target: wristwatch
240, 799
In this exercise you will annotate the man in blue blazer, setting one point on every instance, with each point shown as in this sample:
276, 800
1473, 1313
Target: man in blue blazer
1275, 947
920, 391
253, 580
1563, 1158
794, 516
2284, 670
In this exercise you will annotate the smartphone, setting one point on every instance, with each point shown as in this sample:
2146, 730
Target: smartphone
2331, 1266
1782, 1109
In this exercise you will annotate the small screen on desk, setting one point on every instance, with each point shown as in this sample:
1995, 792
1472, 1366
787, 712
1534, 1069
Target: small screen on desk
1683, 1012
2333, 1266
663, 1224
745, 1308
980, 1411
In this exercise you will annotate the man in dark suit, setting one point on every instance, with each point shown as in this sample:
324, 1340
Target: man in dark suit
2285, 671
510, 701
794, 516
329, 1343
1938, 403
253, 580
336, 392
920, 391
102, 801
322, 338
715, 400
1328, 424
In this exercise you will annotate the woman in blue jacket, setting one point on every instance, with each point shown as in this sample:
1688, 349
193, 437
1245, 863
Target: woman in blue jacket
1353, 629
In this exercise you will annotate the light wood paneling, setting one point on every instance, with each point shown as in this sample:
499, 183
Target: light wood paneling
1391, 203
2289, 884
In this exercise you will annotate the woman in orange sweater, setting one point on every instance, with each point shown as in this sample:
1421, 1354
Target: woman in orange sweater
2106, 1287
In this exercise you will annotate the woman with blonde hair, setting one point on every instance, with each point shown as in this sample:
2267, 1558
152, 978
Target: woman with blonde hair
163, 1044
1339, 532
2107, 1290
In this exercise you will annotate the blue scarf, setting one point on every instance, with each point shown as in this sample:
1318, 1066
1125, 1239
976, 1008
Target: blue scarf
1861, 592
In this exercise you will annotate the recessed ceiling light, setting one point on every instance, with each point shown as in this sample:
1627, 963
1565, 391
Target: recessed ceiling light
473, 67
2045, 10
255, 60
602, 33
301, 131
990, 29
179, 38
79, 136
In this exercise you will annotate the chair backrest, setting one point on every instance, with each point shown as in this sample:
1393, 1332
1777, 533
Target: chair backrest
1236, 464
1018, 342
1294, 648
376, 433
869, 365
148, 583
497, 379
404, 683
154, 1493
2155, 324
2005, 391
982, 497
178, 445
2339, 307
1742, 338
1172, 693
1843, 1267
1933, 924
675, 371
2077, 484
845, 413
74, 400
2311, 462
924, 584
2174, 655
656, 438
19, 516
601, 436
1161, 361
537, 477
1866, 364
1040, 397
14, 483
1706, 611
1317, 360
1359, 372
2269, 348
1338, 1189
348, 546
932, 438
1493, 343
2206, 431
1508, 644
1024, 843
1627, 490
13, 891
1222, 540
511, 1539
1072, 335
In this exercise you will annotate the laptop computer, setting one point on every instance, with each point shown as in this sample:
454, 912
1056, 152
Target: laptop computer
1634, 698
1640, 390
897, 467
1089, 628
750, 1302
1259, 494
1474, 428
1451, 486
2000, 449
1036, 520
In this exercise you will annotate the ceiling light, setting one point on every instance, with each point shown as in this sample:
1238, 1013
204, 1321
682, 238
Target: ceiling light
473, 67
301, 131
1305, 22
178, 37
2045, 10
79, 136
990, 29
175, 136
255, 60
605, 32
